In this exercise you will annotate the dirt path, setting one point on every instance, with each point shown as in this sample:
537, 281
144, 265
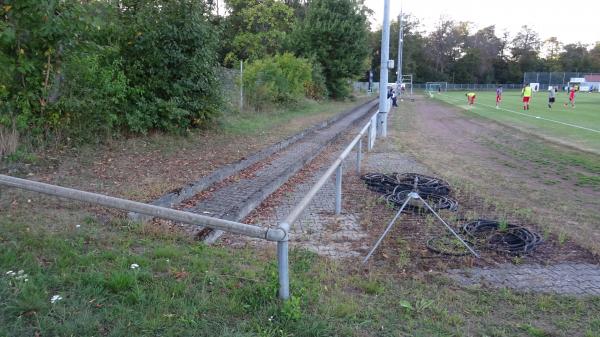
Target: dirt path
519, 173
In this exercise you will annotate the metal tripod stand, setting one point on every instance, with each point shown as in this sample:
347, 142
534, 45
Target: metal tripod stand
414, 195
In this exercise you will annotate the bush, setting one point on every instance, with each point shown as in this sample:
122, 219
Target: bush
281, 79
170, 58
89, 70
94, 100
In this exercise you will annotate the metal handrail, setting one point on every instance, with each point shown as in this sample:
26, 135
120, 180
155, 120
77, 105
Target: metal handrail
271, 234
295, 213
283, 245
279, 234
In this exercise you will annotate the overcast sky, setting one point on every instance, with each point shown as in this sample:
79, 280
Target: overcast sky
570, 21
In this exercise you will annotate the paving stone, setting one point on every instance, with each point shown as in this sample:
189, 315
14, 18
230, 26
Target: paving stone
568, 279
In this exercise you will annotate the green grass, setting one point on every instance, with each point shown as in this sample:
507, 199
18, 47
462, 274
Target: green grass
586, 114
183, 288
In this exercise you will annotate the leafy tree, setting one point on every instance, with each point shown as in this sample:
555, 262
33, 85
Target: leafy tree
526, 49
595, 57
575, 57
170, 59
334, 33
255, 29
446, 43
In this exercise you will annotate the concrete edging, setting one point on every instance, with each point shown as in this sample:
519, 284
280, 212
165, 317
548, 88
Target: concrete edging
175, 197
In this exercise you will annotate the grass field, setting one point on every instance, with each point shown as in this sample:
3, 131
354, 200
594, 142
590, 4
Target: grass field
579, 127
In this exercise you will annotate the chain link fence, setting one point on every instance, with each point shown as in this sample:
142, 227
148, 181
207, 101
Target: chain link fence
230, 87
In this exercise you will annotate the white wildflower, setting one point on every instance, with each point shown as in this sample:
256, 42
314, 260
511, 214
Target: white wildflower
134, 266
21, 272
11, 273
55, 299
77, 226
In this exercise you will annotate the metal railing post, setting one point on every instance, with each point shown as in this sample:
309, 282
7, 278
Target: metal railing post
283, 263
338, 190
370, 137
358, 156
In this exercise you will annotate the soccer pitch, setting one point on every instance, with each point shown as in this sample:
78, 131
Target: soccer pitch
579, 127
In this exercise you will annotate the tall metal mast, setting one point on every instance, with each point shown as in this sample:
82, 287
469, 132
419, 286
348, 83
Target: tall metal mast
400, 47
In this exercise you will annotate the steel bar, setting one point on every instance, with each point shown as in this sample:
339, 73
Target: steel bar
358, 156
387, 229
338, 190
450, 228
283, 263
271, 234
295, 213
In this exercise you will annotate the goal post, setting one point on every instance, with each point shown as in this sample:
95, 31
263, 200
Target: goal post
436, 86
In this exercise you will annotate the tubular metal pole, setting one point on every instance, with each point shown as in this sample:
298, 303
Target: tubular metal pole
283, 263
387, 229
271, 234
338, 190
400, 43
358, 156
383, 77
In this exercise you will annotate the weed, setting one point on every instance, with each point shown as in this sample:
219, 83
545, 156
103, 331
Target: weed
562, 237
533, 331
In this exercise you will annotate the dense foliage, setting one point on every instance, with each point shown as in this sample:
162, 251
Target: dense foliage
88, 70
334, 33
278, 79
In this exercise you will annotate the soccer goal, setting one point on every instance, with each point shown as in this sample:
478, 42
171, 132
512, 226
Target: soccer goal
436, 87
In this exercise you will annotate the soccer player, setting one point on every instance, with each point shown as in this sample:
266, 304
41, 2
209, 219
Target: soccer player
571, 98
526, 93
551, 96
498, 96
470, 98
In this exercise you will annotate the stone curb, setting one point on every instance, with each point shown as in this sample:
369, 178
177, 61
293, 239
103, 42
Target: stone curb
173, 198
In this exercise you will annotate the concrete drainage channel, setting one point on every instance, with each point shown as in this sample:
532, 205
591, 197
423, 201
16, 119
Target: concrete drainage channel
230, 193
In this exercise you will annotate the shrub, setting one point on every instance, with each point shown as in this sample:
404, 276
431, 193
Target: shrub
170, 58
279, 79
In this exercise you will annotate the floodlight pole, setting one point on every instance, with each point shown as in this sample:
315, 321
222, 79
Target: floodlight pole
383, 77
400, 47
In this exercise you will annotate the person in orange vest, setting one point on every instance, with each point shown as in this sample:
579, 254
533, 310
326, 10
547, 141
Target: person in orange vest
526, 93
470, 98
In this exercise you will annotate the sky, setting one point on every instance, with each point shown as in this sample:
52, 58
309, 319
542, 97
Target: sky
570, 21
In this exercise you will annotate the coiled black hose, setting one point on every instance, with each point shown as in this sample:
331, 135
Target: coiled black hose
385, 183
397, 186
436, 202
502, 236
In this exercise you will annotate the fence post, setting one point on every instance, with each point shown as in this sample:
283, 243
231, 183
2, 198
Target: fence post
283, 263
370, 137
338, 190
241, 85
358, 156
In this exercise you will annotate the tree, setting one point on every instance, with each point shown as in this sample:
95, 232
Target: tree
595, 57
255, 29
575, 57
484, 48
334, 33
170, 57
526, 48
553, 48
446, 44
